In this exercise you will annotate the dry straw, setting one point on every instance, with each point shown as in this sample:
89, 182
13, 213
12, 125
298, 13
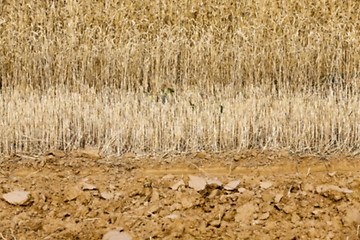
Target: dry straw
245, 74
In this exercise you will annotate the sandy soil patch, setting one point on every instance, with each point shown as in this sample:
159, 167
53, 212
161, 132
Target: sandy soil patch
250, 195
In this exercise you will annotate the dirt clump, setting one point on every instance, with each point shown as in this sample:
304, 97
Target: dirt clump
250, 195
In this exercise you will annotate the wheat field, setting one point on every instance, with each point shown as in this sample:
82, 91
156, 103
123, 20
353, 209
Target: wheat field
179, 76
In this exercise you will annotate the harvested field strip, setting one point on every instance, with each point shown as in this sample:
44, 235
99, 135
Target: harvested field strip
121, 121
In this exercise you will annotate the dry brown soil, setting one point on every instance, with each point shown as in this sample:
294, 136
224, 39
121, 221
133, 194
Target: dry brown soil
271, 195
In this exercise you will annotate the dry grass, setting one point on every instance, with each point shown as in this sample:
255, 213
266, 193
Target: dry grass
96, 73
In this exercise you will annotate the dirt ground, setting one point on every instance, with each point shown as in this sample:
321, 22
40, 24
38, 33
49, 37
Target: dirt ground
249, 195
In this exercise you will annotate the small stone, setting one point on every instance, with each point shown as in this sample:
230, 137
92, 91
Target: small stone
172, 216
308, 187
106, 195
177, 185
215, 223
267, 196
317, 211
264, 216
175, 206
71, 193
312, 233
197, 183
232, 185
87, 186
266, 185
154, 208
187, 203
278, 197
114, 235
245, 212
289, 209
295, 218
323, 188
352, 217
17, 197
155, 196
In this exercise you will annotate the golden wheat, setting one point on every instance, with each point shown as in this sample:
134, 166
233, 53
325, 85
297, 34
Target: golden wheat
248, 74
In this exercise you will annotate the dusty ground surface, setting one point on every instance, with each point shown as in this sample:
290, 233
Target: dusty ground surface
250, 195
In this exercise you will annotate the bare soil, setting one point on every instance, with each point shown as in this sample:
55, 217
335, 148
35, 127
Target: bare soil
271, 195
